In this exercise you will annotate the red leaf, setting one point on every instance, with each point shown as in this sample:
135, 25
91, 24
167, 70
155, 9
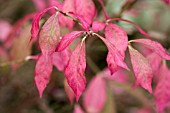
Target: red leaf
154, 46
86, 9
43, 71
142, 69
35, 23
98, 26
77, 109
67, 39
166, 1
49, 35
117, 36
74, 72
162, 92
60, 59
69, 91
95, 96
68, 6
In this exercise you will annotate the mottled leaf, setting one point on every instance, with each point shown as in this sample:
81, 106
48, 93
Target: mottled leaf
154, 46
49, 35
114, 58
117, 36
74, 72
142, 69
43, 70
67, 39
95, 96
86, 9
162, 92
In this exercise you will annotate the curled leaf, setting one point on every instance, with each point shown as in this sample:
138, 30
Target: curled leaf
96, 92
67, 39
142, 69
155, 47
74, 72
43, 70
50, 35
35, 23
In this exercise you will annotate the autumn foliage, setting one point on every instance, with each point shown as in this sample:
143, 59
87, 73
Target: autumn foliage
141, 61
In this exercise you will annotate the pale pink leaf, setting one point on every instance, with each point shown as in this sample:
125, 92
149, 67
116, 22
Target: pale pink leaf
49, 35
95, 96
5, 28
98, 26
60, 59
86, 9
78, 109
67, 39
155, 61
39, 4
68, 6
35, 23
155, 47
162, 92
142, 69
74, 72
69, 91
117, 36
43, 70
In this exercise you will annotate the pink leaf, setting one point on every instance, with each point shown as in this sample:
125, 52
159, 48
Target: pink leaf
154, 46
162, 92
69, 91
60, 59
68, 6
74, 72
5, 28
67, 39
117, 36
77, 109
49, 35
86, 9
35, 23
95, 96
114, 58
155, 61
98, 26
142, 69
43, 71
40, 4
